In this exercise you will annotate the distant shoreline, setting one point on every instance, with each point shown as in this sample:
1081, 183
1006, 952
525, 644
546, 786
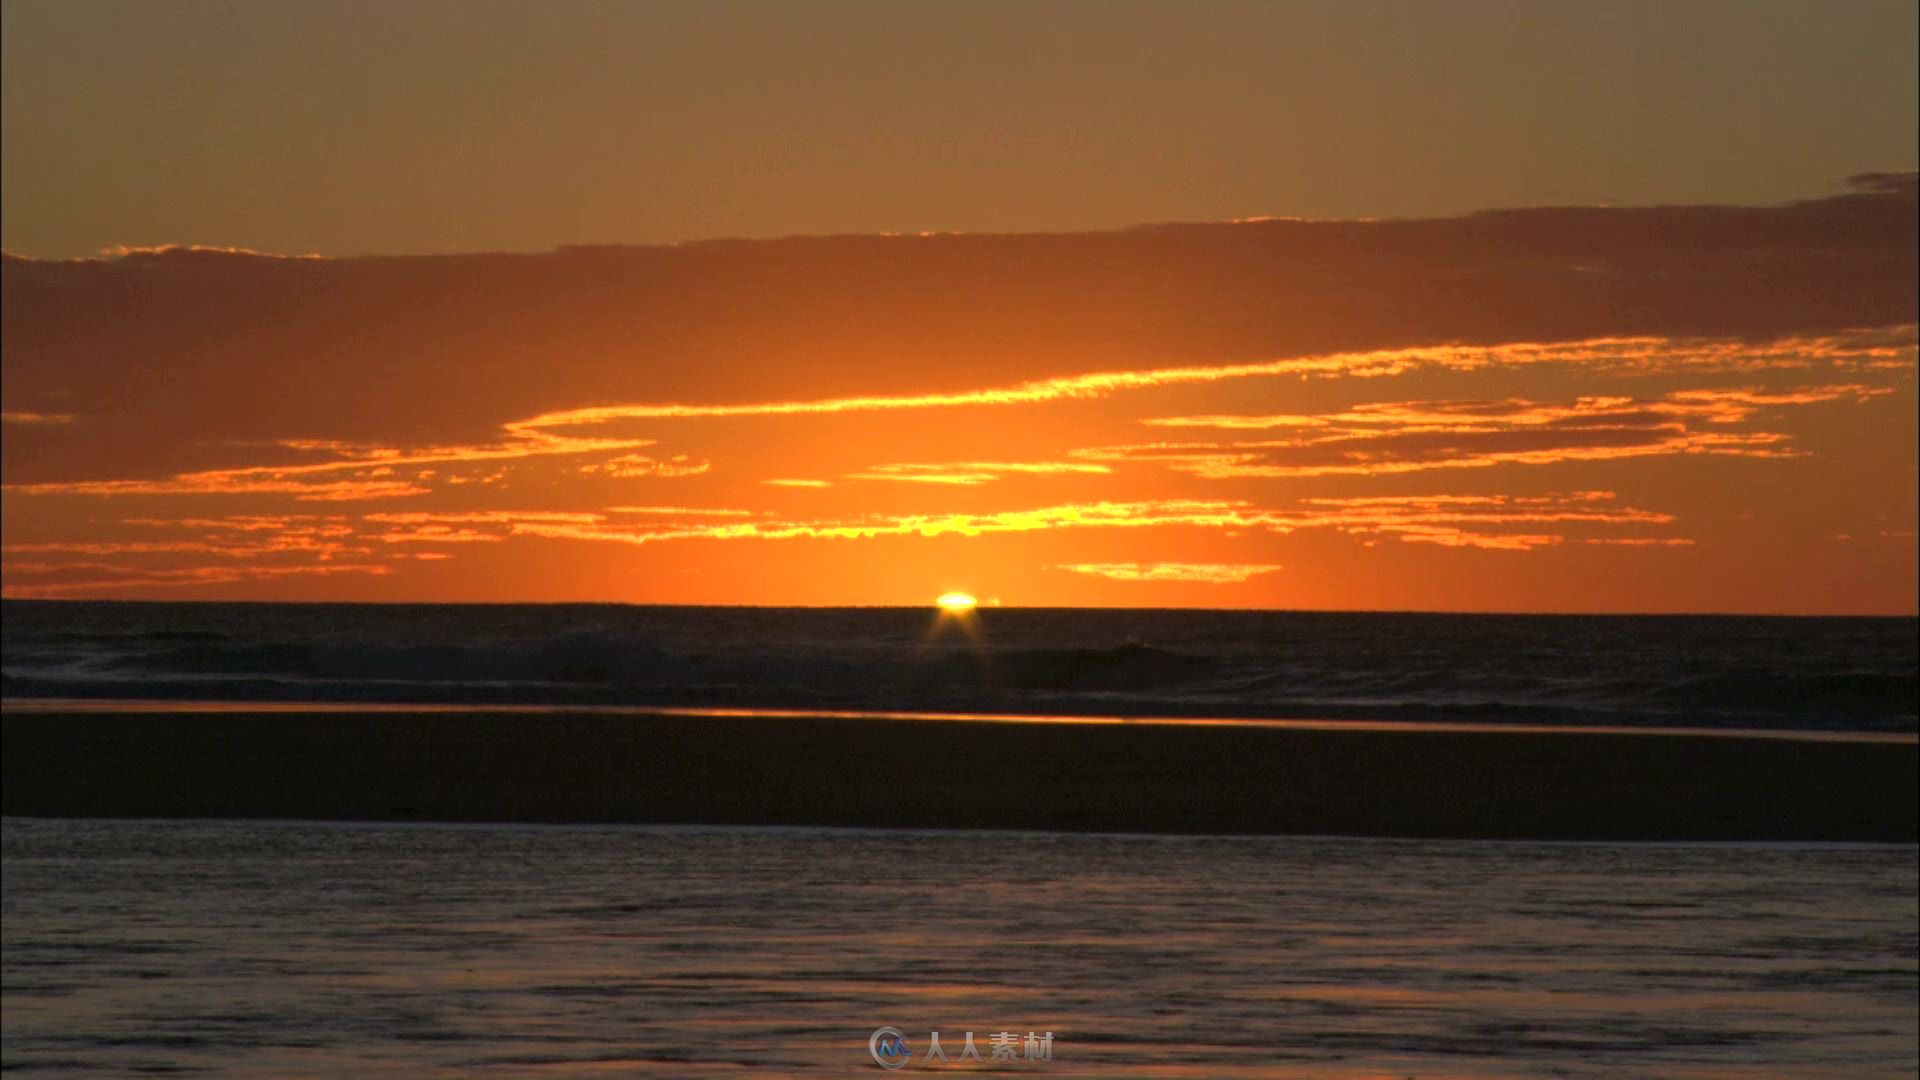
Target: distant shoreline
741, 767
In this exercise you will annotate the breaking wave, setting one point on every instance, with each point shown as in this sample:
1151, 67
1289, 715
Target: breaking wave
1781, 673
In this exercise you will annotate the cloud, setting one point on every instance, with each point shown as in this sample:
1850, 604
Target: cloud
1090, 385
376, 471
431, 397
171, 347
30, 418
481, 517
1412, 436
371, 470
1477, 521
177, 252
320, 524
1209, 573
264, 547
633, 466
1143, 514
438, 534
1451, 537
1885, 183
1457, 520
54, 580
970, 473
681, 511
233, 482
536, 437
1726, 405
1639, 355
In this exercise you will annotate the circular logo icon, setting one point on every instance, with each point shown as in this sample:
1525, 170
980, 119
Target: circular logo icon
889, 1047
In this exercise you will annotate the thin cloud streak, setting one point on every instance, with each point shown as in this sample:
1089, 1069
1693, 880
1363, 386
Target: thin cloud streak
124, 577
634, 466
377, 468
681, 511
371, 463
1459, 520
481, 517
1487, 522
1207, 573
1720, 406
1636, 354
973, 473
1391, 438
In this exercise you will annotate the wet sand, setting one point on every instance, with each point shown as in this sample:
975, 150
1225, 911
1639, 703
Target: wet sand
570, 767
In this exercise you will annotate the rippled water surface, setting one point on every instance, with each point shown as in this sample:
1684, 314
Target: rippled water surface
1825, 674
234, 948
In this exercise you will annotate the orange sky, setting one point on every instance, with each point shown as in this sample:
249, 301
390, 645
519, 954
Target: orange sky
1477, 306
353, 127
1693, 408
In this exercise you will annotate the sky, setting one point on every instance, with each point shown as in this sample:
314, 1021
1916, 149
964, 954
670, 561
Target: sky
353, 127
1522, 307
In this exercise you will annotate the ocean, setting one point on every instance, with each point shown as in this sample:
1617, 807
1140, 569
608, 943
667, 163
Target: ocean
229, 949
1850, 674
200, 941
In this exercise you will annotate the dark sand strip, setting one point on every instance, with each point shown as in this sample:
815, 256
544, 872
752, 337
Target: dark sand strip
785, 770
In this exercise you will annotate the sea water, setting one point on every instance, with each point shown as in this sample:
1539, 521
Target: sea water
290, 949
1686, 671
312, 949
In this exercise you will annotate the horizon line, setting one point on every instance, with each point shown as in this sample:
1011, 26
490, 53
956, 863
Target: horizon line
984, 607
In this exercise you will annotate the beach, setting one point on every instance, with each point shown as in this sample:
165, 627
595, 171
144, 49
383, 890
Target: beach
642, 767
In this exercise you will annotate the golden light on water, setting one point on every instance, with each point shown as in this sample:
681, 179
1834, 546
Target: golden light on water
957, 602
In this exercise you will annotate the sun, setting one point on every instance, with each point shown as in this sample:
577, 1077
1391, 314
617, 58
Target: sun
957, 602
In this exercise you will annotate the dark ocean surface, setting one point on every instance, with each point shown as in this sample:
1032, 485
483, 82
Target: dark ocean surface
1854, 674
243, 948
253, 949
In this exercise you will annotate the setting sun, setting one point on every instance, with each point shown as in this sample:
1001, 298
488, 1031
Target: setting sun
957, 602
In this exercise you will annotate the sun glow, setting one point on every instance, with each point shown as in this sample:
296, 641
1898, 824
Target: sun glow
957, 603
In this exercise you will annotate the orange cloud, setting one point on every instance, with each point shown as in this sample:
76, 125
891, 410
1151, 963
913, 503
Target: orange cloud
1722, 406
1213, 513
632, 466
1210, 573
226, 483
816, 389
1478, 521
327, 543
375, 471
53, 580
970, 473
326, 525
1413, 436
1452, 537
480, 517
438, 534
370, 466
1454, 520
134, 251
1637, 354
